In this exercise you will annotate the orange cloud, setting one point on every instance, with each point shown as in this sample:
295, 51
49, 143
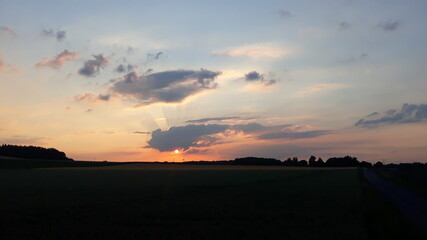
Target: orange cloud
7, 68
254, 51
59, 60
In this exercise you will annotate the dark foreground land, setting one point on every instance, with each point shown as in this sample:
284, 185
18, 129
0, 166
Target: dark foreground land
157, 201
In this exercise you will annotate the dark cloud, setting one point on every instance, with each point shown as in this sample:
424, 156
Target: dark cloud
61, 35
389, 25
58, 34
372, 114
185, 137
154, 56
7, 31
204, 120
59, 60
104, 97
344, 25
169, 86
93, 66
203, 135
409, 113
284, 13
138, 132
124, 69
293, 135
255, 76
197, 151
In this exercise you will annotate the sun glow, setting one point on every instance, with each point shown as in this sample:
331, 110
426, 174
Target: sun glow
176, 151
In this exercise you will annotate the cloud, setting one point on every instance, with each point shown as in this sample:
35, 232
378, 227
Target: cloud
154, 56
93, 66
254, 76
372, 114
184, 137
344, 25
305, 92
203, 120
284, 13
7, 68
359, 58
168, 86
409, 113
89, 97
389, 25
254, 51
124, 69
197, 151
204, 135
23, 140
58, 34
293, 135
7, 31
59, 60
139, 132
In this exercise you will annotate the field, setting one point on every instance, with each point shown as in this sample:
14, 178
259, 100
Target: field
410, 178
155, 201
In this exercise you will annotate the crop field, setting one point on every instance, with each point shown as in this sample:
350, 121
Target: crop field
155, 201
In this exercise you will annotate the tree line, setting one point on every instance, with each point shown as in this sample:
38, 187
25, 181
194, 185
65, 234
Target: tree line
346, 161
32, 152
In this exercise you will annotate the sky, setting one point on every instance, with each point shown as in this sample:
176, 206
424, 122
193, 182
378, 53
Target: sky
214, 80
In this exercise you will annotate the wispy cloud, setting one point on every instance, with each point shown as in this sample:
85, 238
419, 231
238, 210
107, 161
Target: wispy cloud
293, 135
285, 14
6, 67
58, 34
59, 60
7, 31
344, 25
389, 25
409, 113
204, 120
90, 97
306, 92
254, 51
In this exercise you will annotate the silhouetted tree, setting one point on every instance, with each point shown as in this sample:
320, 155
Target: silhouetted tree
346, 161
32, 152
378, 164
365, 164
303, 163
312, 161
256, 161
320, 163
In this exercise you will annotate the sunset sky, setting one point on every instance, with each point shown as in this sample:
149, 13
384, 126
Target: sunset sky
137, 80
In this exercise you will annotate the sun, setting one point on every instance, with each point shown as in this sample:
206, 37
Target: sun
176, 151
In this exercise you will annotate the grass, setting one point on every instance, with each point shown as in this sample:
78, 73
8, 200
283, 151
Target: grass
157, 201
148, 202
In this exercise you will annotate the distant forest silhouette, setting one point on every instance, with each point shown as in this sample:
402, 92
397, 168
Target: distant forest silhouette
32, 152
347, 161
